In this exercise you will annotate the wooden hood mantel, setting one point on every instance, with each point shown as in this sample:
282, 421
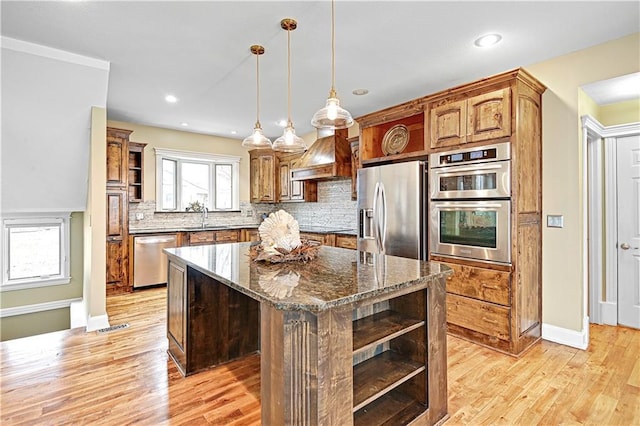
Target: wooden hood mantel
328, 157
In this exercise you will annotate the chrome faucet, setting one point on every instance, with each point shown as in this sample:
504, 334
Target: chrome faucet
204, 217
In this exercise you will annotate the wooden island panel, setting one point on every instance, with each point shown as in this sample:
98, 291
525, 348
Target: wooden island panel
362, 344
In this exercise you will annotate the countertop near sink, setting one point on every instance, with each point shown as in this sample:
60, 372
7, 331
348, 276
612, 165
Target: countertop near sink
303, 228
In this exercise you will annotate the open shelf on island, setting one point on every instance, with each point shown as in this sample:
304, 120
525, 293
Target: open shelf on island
378, 375
393, 408
375, 329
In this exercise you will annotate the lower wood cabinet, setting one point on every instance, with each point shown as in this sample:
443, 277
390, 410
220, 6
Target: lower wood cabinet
117, 249
346, 241
324, 239
177, 311
481, 308
249, 235
197, 238
204, 314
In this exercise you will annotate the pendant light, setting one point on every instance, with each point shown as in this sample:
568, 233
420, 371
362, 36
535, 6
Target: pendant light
257, 139
289, 142
332, 116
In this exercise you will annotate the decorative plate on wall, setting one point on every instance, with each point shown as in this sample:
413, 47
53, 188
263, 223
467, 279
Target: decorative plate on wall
395, 140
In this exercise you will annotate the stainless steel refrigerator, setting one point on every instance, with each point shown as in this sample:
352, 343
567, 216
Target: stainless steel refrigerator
392, 203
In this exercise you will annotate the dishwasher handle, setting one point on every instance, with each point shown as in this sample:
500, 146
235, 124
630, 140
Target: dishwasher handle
155, 240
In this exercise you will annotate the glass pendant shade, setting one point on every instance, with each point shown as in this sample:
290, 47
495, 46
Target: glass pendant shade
289, 141
257, 139
332, 116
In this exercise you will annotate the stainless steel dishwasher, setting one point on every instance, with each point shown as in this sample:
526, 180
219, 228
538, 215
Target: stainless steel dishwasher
149, 262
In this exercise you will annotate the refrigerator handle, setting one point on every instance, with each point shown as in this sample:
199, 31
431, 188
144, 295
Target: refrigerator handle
383, 218
376, 230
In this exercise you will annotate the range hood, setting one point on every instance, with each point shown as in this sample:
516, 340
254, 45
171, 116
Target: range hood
329, 157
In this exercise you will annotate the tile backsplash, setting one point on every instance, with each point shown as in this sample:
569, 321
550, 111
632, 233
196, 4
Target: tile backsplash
334, 209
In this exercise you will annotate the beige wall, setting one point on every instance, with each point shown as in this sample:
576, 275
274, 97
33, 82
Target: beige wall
95, 224
156, 137
562, 263
43, 322
620, 113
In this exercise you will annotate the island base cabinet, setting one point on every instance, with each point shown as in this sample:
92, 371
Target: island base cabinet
305, 365
218, 324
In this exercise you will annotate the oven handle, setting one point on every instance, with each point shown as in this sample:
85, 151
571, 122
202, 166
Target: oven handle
467, 169
467, 206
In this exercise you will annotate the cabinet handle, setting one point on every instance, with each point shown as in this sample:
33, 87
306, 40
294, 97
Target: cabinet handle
489, 320
490, 287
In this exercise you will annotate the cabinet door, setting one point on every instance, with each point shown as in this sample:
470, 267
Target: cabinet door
262, 176
267, 178
448, 124
297, 190
176, 305
117, 248
255, 179
489, 116
117, 155
285, 182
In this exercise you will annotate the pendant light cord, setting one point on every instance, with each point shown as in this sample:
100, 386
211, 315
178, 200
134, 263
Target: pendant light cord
258, 90
333, 47
289, 76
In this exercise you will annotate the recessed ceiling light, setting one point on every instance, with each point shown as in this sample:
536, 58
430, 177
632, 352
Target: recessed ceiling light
487, 40
183, 124
282, 123
360, 92
171, 99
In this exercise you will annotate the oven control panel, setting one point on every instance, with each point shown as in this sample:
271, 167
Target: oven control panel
497, 152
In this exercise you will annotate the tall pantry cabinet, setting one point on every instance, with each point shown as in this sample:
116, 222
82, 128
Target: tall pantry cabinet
117, 210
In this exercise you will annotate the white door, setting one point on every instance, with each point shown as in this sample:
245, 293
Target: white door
628, 182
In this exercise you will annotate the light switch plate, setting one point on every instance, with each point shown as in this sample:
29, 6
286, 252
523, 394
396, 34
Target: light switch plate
555, 221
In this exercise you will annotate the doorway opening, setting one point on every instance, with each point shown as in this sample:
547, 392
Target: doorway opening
602, 217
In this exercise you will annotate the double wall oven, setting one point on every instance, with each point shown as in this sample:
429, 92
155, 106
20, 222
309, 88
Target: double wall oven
470, 193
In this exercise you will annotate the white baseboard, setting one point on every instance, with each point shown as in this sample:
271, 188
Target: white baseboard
564, 336
609, 313
96, 323
37, 307
78, 314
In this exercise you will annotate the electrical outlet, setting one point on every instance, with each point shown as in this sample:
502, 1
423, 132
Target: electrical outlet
139, 216
555, 221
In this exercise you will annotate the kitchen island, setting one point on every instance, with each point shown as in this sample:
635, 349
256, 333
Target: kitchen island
347, 338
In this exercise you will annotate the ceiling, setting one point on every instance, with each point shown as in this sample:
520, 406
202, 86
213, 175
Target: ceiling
398, 50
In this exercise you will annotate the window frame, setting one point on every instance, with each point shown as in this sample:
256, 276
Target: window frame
62, 220
179, 157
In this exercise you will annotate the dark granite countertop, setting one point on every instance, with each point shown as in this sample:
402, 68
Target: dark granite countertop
303, 228
335, 277
190, 229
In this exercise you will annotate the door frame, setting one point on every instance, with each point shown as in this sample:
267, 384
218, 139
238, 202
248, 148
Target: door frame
600, 255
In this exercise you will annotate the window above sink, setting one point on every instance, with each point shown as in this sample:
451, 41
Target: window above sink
185, 178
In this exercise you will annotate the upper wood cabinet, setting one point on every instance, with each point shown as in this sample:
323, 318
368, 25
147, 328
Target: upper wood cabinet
270, 179
117, 156
136, 171
479, 118
293, 190
397, 139
262, 176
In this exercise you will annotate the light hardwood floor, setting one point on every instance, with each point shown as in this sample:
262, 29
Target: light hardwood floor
125, 377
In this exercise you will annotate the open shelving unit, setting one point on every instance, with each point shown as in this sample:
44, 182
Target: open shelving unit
390, 361
136, 171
